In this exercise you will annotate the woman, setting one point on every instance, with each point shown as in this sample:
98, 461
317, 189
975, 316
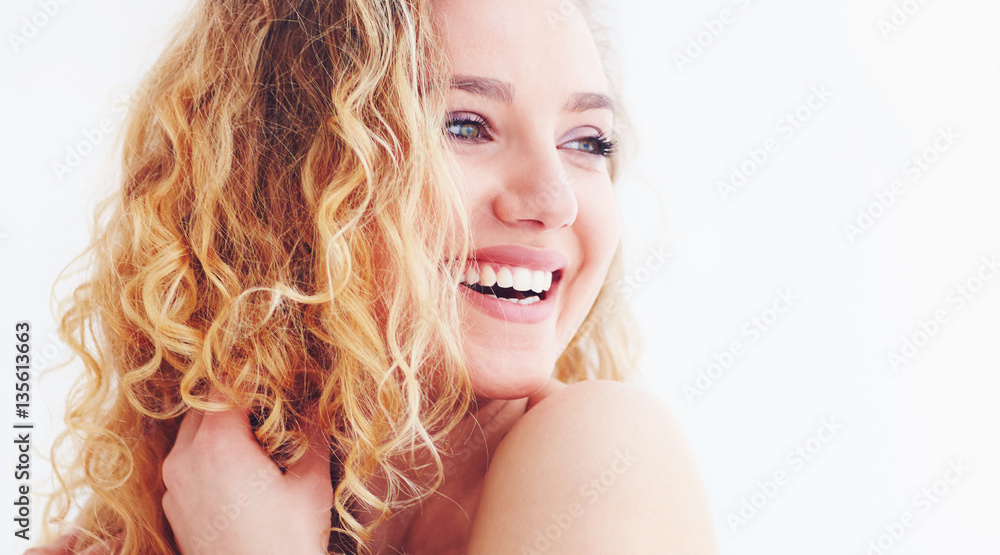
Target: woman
301, 264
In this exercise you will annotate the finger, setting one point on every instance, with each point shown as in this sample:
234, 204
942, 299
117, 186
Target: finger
233, 431
173, 469
229, 423
189, 427
232, 423
228, 435
216, 396
192, 421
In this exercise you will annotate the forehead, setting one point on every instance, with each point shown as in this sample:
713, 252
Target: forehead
535, 45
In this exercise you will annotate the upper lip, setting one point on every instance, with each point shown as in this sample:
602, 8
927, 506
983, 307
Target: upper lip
523, 257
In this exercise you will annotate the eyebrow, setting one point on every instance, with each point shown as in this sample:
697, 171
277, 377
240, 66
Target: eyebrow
503, 92
581, 102
484, 86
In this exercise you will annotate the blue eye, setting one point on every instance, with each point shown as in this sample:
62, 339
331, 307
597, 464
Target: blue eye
475, 129
599, 145
467, 127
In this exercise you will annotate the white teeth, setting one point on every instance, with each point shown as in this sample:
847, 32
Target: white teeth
522, 279
504, 277
525, 301
488, 279
472, 276
538, 281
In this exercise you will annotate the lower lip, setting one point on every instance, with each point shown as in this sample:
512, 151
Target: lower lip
511, 312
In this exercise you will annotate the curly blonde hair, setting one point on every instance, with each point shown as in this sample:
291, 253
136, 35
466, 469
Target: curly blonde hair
288, 234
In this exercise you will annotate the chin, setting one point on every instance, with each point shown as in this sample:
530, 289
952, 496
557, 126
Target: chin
509, 374
508, 361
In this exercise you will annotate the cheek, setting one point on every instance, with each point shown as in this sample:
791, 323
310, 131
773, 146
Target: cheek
600, 226
597, 230
472, 180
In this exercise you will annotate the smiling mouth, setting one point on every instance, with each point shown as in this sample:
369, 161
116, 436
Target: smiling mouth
511, 284
508, 294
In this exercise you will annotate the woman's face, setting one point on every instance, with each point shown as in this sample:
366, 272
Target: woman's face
529, 117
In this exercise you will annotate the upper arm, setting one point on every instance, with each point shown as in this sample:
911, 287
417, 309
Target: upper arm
600, 467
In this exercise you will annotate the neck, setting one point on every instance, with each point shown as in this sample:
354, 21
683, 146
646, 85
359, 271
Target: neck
468, 448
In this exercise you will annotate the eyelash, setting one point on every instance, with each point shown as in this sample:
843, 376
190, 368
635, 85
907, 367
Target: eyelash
605, 146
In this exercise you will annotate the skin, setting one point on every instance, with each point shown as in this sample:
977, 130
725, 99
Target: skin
605, 463
192, 469
63, 546
531, 182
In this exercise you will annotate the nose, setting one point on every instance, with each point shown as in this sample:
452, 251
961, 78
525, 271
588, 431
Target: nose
536, 192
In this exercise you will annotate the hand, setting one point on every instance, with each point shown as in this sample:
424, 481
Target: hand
226, 496
63, 545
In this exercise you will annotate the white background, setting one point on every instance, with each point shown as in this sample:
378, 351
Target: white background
824, 358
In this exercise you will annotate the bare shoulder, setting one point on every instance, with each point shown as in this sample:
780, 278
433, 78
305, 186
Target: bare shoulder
594, 467
591, 414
